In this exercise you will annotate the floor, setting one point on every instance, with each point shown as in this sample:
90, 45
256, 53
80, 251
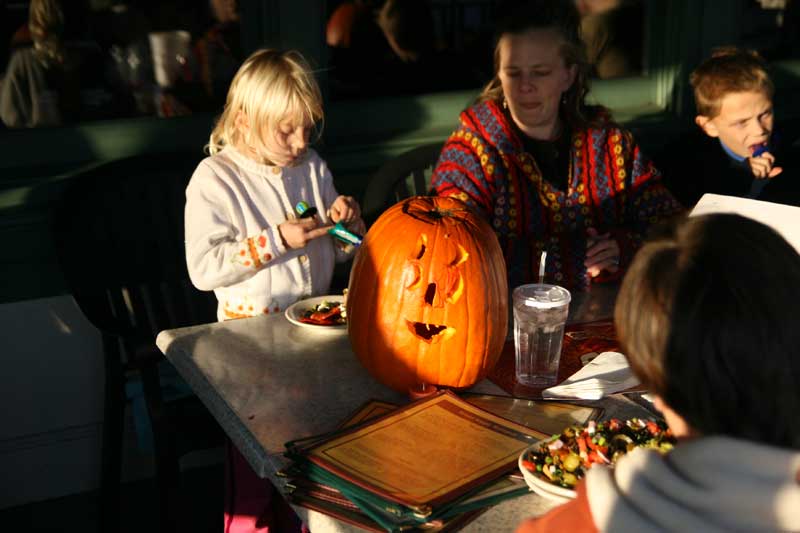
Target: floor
139, 514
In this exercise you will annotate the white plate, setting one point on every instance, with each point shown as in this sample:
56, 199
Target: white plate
540, 486
295, 312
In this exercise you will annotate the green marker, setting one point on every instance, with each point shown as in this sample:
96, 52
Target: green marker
345, 235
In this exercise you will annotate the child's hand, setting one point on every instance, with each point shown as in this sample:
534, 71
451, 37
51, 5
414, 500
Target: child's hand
357, 226
297, 232
344, 209
602, 253
763, 166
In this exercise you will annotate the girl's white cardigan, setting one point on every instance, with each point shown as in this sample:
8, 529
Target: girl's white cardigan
233, 208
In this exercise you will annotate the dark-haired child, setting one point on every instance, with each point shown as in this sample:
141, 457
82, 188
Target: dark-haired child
706, 316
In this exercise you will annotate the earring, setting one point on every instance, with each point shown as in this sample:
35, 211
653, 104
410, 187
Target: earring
564, 98
505, 103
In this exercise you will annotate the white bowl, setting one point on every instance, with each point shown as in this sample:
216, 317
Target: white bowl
541, 486
295, 312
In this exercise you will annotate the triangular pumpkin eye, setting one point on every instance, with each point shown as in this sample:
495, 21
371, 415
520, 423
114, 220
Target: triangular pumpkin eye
454, 284
412, 273
422, 245
461, 256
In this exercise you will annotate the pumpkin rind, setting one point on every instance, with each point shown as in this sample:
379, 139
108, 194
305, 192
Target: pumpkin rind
428, 296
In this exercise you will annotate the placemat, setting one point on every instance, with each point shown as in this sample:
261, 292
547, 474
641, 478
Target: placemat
598, 336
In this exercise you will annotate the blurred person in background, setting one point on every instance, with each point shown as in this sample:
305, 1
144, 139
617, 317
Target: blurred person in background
407, 26
357, 46
41, 86
613, 33
219, 52
391, 48
120, 28
411, 65
348, 21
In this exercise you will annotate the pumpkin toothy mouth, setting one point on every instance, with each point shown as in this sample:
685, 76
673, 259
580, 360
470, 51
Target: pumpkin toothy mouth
429, 333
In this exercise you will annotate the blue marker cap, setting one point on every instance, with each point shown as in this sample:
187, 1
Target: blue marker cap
760, 149
303, 211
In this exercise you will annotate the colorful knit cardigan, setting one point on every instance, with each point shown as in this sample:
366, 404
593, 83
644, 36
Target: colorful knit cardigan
612, 187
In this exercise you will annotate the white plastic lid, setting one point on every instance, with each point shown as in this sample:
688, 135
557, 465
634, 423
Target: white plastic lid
542, 295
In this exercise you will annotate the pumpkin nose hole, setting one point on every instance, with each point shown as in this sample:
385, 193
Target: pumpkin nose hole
430, 293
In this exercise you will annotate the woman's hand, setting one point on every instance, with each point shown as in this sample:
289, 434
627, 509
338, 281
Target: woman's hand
344, 209
297, 232
602, 253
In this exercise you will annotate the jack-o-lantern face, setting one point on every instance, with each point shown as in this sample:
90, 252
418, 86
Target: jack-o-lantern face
443, 284
427, 301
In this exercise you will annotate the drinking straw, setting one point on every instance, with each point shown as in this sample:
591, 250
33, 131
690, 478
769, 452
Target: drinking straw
542, 261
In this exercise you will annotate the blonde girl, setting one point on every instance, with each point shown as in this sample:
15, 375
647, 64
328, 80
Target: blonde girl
243, 238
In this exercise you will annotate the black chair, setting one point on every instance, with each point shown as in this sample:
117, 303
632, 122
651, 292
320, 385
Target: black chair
408, 174
118, 229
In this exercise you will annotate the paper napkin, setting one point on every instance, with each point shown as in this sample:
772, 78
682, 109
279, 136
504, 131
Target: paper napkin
605, 374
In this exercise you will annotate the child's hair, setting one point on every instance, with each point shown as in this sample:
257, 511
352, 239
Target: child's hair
728, 70
707, 317
269, 87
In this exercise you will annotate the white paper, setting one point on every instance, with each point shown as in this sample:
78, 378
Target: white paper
785, 219
606, 374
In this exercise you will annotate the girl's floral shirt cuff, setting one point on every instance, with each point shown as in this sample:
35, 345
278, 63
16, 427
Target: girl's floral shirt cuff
256, 252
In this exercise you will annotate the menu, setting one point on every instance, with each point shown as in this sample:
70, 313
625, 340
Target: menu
427, 453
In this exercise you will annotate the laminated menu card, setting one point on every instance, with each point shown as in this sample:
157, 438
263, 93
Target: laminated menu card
308, 487
370, 410
321, 499
316, 491
421, 457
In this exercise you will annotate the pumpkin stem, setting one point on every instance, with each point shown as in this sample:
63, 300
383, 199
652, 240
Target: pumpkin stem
439, 212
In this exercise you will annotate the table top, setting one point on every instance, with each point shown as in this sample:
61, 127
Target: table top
267, 381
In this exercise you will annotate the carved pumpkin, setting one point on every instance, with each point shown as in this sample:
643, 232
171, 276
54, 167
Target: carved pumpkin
428, 296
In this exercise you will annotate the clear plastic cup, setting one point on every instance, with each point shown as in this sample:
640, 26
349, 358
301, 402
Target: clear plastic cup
540, 313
